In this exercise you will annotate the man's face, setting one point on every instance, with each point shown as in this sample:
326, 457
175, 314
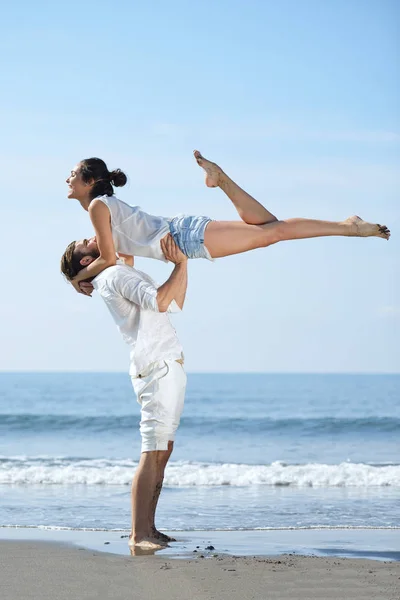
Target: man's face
88, 247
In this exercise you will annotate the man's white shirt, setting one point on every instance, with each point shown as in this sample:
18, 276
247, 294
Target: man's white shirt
131, 297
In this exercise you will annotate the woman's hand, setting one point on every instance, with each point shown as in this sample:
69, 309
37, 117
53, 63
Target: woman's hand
83, 287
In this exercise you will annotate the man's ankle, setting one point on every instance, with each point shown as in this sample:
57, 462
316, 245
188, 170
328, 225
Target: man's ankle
137, 536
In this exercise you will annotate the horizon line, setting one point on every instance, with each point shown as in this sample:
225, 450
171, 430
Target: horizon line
65, 372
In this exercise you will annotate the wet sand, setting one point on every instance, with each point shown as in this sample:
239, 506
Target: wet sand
42, 570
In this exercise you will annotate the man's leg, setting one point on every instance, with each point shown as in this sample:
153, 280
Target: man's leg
144, 492
161, 393
162, 463
248, 208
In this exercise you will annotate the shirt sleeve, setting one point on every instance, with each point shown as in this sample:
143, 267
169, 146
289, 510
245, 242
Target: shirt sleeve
137, 290
173, 307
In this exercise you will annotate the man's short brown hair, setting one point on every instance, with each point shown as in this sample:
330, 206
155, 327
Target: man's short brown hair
71, 262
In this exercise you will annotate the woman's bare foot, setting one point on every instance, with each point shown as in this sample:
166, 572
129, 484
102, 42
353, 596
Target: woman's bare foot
360, 228
163, 537
213, 172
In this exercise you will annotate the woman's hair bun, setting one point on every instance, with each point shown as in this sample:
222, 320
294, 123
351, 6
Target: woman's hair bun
118, 178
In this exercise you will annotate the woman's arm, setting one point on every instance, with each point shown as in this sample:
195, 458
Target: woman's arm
101, 219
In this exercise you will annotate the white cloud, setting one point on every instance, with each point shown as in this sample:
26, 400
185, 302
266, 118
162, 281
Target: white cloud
389, 311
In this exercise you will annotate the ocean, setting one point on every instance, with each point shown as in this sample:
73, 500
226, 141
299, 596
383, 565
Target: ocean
254, 451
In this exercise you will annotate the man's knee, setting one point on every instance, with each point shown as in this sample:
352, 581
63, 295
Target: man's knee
156, 456
164, 455
149, 458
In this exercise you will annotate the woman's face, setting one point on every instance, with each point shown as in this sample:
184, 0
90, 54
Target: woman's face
77, 188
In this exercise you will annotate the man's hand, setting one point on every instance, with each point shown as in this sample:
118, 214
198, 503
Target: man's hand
83, 287
171, 251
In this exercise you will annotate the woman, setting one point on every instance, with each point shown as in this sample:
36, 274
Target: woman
129, 231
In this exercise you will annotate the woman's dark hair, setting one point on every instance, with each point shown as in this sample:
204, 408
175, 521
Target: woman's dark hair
95, 169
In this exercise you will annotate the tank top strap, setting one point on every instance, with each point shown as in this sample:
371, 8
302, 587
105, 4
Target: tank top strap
108, 200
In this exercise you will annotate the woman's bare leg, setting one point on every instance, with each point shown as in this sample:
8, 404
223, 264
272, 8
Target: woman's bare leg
248, 208
224, 238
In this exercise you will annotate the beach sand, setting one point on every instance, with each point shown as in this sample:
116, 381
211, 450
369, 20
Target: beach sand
42, 570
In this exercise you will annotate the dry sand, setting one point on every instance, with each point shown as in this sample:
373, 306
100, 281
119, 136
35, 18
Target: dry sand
40, 570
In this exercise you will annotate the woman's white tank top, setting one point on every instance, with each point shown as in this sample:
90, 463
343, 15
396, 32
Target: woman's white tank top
135, 232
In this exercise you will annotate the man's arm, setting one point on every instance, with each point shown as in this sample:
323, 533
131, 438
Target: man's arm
174, 288
176, 285
133, 287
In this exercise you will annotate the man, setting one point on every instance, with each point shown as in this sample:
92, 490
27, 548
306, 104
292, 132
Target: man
140, 310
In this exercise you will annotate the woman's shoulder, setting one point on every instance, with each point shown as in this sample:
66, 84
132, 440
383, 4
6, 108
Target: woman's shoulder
112, 200
106, 199
121, 209
114, 204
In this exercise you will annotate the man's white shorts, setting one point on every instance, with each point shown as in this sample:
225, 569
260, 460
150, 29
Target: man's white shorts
160, 391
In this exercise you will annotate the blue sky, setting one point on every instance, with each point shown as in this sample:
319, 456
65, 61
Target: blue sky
298, 102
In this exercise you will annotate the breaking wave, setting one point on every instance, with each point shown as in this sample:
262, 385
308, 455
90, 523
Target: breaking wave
41, 470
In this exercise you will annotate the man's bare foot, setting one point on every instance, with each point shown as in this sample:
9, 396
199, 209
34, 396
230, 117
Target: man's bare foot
360, 228
213, 172
138, 551
162, 536
146, 543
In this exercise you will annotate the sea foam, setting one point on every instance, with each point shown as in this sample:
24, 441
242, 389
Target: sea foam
42, 470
